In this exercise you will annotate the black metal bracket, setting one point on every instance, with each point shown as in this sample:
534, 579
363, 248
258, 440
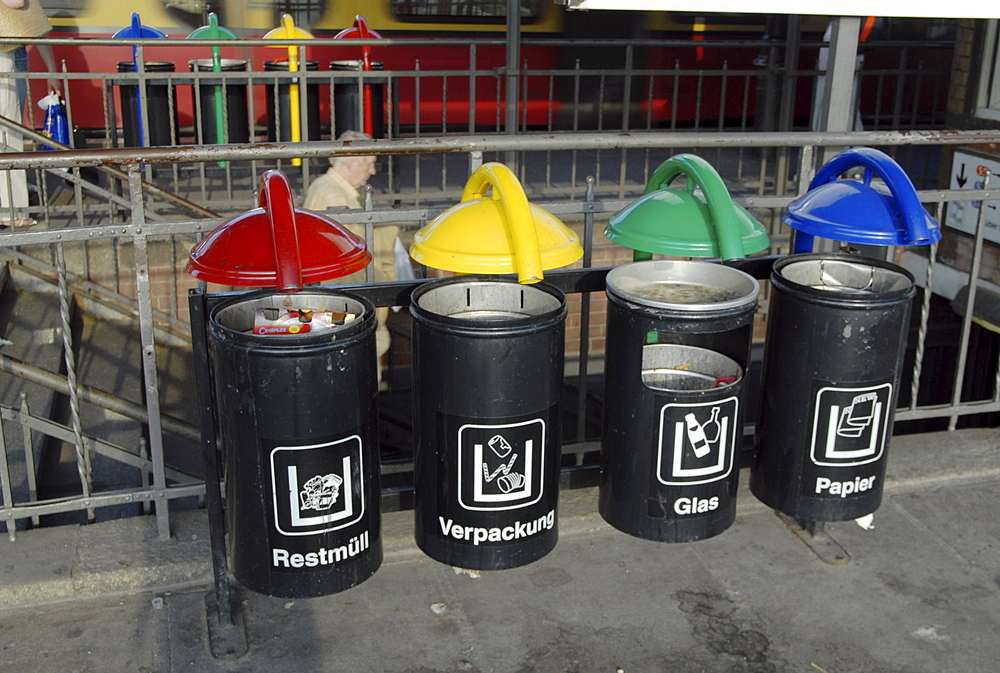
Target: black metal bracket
818, 539
226, 631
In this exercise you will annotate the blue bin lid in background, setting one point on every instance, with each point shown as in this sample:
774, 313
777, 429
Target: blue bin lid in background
860, 211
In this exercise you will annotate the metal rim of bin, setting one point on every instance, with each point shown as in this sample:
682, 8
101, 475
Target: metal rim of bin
841, 278
281, 65
483, 305
148, 66
355, 65
235, 316
228, 64
729, 289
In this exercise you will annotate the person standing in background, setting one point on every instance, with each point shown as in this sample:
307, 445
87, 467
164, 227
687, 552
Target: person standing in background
339, 187
20, 19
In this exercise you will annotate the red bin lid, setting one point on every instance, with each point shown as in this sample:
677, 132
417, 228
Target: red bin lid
277, 245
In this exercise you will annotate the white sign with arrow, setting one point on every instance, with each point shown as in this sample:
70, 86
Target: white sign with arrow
968, 172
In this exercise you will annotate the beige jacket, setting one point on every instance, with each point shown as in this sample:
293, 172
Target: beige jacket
28, 21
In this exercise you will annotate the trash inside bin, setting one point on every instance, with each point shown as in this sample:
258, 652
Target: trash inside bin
488, 358
678, 344
297, 414
161, 108
294, 387
237, 128
836, 336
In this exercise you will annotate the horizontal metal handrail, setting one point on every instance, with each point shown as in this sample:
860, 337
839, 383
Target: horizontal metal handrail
540, 142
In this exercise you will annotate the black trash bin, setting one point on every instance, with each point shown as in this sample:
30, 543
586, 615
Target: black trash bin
279, 125
678, 344
237, 128
348, 99
836, 336
488, 372
298, 425
161, 107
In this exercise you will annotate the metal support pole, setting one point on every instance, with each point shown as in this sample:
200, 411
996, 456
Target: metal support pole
213, 491
838, 111
152, 390
227, 635
512, 71
970, 303
581, 392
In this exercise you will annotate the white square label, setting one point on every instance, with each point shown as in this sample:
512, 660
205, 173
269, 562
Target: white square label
317, 488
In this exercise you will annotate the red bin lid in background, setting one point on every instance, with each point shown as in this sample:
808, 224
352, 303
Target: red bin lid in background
277, 245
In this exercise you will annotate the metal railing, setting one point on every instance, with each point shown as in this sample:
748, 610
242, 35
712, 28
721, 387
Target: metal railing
155, 248
563, 85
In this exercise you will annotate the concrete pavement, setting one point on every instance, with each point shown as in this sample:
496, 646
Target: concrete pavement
921, 593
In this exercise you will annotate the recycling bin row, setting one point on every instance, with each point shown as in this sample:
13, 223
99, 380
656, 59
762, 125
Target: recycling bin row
295, 386
230, 94
298, 415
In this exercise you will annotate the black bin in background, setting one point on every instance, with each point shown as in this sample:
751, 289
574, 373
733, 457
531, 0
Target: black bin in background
348, 99
279, 125
836, 337
488, 373
235, 95
678, 344
298, 426
159, 108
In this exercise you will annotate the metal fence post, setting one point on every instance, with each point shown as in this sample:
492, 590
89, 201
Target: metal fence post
148, 340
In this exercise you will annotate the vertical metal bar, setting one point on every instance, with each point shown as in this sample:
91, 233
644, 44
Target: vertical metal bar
110, 124
144, 474
649, 127
745, 113
174, 132
525, 74
276, 109
550, 127
576, 127
472, 89
143, 111
626, 110
600, 127
723, 86
391, 131
970, 304
444, 131
925, 311
69, 358
838, 95
369, 234
416, 130
303, 82
897, 103
789, 86
5, 487
697, 98
499, 98
210, 454
148, 339
675, 95
877, 115
475, 160
511, 72
581, 386
915, 107
29, 454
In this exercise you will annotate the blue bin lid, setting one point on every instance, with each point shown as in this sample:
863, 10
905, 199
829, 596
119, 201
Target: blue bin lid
859, 211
